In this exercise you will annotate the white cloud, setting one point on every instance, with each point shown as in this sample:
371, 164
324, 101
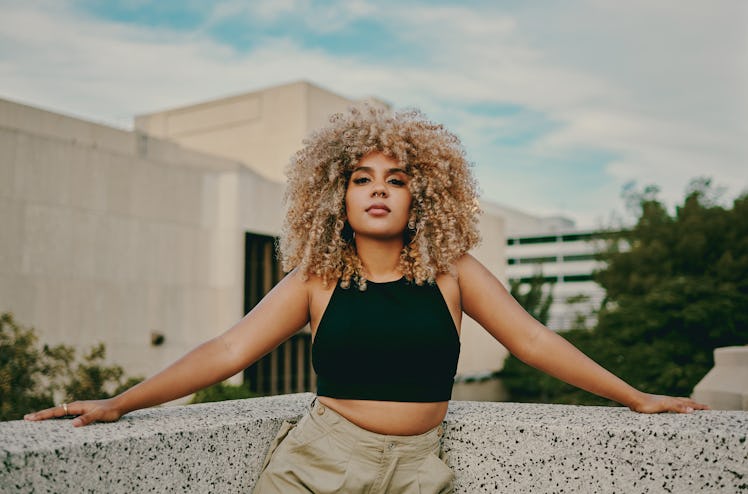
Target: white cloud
317, 17
662, 88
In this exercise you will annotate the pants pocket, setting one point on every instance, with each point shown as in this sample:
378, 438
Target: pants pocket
285, 428
435, 476
293, 468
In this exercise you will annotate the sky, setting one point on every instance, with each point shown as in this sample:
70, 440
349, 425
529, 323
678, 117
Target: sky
558, 104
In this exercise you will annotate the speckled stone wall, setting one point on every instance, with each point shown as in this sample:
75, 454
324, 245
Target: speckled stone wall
528, 448
493, 447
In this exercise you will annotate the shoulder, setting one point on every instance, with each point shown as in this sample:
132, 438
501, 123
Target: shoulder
475, 280
467, 268
463, 269
314, 284
310, 283
295, 284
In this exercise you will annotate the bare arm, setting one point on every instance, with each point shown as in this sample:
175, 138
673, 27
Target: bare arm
486, 300
279, 315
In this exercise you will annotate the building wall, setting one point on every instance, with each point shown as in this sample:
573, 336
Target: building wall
519, 222
480, 354
261, 129
568, 262
109, 236
534, 244
255, 129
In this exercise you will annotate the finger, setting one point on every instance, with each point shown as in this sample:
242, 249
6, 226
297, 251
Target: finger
687, 405
49, 413
76, 408
85, 419
695, 404
40, 415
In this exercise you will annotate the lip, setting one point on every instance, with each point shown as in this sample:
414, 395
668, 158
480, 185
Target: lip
378, 209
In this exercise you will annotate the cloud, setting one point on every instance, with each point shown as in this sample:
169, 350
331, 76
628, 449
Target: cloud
635, 91
661, 89
319, 17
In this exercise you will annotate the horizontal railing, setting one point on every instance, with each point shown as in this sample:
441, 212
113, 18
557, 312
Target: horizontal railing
492, 447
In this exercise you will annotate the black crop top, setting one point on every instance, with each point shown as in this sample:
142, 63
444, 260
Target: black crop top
394, 341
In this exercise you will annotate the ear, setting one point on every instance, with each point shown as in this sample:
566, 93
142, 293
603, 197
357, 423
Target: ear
409, 234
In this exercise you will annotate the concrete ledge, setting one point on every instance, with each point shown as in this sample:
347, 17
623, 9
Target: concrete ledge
492, 447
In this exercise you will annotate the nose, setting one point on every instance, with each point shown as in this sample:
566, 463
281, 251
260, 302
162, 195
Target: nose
379, 190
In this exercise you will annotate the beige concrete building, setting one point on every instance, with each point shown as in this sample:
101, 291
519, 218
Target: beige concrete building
111, 236
118, 236
261, 129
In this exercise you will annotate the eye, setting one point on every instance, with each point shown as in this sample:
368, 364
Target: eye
360, 180
397, 182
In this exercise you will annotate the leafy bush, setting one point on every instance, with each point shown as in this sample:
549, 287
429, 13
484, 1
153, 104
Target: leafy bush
221, 392
31, 378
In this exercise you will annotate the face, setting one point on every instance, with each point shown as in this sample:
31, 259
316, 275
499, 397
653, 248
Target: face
377, 199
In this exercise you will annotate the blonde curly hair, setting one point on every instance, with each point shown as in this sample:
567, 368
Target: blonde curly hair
442, 226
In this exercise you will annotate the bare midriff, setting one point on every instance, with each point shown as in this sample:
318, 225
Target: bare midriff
394, 418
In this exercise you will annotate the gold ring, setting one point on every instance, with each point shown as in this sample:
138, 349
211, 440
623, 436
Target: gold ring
65, 408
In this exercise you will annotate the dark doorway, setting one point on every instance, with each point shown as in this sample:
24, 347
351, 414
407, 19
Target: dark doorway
287, 369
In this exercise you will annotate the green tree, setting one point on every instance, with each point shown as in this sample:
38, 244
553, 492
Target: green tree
581, 316
32, 377
676, 288
679, 290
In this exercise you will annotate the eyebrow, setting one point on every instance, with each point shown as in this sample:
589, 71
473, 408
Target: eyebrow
369, 169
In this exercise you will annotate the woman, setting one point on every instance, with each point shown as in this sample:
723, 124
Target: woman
381, 212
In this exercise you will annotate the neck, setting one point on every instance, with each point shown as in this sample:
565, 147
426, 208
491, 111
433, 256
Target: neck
381, 258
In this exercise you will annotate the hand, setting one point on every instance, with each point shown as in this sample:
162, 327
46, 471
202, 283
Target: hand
650, 403
87, 412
